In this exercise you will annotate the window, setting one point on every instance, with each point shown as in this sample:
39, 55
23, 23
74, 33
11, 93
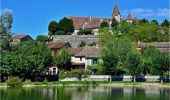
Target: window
80, 58
95, 61
54, 71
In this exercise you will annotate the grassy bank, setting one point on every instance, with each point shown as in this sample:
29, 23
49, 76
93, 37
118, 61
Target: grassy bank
94, 83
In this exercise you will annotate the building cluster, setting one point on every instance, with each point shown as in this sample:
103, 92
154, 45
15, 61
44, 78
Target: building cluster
94, 23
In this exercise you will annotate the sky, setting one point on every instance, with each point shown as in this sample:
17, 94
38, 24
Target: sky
33, 16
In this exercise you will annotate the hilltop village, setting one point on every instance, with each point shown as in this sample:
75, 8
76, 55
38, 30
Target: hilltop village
77, 46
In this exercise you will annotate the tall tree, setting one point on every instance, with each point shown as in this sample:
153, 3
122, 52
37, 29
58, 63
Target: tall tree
66, 25
62, 59
53, 27
6, 20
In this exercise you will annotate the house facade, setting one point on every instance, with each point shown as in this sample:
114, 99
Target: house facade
85, 56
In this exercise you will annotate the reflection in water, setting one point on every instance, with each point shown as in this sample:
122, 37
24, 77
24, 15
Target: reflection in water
85, 93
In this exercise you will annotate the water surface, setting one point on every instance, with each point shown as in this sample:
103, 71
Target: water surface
85, 93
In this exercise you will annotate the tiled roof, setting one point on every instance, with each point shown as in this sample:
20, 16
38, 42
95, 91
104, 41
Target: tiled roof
88, 52
88, 22
93, 23
79, 21
155, 44
56, 45
73, 51
116, 11
19, 36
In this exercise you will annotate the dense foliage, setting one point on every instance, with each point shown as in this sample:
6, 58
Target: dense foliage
28, 58
62, 59
64, 27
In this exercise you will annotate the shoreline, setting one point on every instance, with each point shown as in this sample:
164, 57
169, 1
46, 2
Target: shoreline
93, 83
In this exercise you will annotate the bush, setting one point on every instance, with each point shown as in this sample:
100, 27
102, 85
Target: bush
82, 44
27, 81
74, 73
95, 69
85, 32
14, 82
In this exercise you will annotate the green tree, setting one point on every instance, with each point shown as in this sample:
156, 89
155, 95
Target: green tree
165, 23
82, 44
113, 51
133, 62
42, 38
53, 27
114, 24
143, 21
6, 21
66, 25
104, 24
31, 58
62, 59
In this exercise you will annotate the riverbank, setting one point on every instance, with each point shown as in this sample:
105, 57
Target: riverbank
93, 83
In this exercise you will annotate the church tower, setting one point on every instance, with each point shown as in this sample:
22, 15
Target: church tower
116, 13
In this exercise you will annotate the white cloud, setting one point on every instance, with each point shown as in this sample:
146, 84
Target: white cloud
148, 12
163, 12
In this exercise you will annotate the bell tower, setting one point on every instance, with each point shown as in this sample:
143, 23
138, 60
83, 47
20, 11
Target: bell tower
116, 13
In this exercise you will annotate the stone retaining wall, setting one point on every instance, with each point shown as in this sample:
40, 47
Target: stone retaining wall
75, 40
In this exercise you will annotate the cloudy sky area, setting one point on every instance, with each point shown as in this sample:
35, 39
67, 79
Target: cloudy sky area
33, 16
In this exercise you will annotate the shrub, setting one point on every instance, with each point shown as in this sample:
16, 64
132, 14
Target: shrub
85, 32
92, 44
14, 82
95, 68
27, 81
74, 73
82, 44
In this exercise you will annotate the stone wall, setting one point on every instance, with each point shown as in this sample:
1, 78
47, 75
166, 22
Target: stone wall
75, 40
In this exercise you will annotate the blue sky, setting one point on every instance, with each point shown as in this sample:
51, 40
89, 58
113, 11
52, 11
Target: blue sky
33, 16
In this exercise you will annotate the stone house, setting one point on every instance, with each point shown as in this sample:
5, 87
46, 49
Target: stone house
20, 38
82, 57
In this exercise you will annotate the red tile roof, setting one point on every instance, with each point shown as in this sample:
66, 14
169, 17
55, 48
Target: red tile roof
88, 22
19, 36
88, 52
73, 51
56, 45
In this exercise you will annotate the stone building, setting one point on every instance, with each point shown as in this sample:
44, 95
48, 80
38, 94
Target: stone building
94, 23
